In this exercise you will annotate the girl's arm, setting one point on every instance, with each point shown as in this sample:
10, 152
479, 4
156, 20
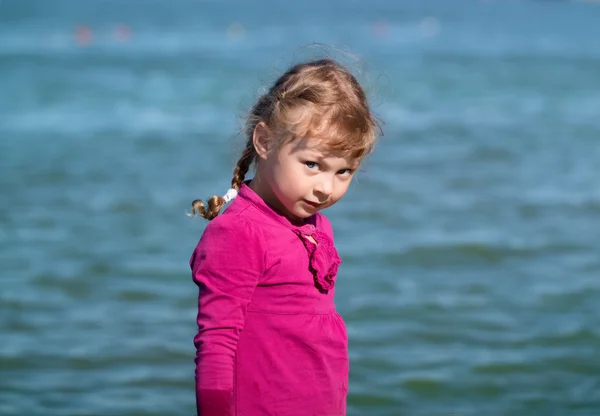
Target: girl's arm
226, 266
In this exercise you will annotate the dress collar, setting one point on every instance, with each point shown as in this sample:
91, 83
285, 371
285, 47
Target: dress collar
247, 194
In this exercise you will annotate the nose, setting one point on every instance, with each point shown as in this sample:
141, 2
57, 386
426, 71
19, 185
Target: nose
324, 186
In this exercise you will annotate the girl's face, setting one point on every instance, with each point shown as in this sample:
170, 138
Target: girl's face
302, 177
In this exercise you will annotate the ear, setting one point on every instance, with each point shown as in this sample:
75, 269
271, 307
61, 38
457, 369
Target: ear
261, 140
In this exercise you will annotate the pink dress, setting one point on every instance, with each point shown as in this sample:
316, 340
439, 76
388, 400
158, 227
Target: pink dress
269, 342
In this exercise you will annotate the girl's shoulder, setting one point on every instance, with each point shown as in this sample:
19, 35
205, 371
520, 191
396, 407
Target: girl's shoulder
233, 225
230, 239
232, 229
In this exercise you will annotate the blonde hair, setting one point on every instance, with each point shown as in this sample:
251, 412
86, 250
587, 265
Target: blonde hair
317, 99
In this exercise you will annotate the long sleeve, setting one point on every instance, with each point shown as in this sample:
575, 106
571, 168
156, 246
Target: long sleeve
226, 266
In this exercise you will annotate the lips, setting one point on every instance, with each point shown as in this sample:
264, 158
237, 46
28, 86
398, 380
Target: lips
312, 204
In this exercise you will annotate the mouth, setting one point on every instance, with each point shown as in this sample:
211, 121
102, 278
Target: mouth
312, 204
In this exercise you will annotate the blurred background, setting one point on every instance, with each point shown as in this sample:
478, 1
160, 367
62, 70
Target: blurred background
470, 283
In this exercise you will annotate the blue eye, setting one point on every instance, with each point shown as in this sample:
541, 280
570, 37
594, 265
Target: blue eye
311, 165
345, 172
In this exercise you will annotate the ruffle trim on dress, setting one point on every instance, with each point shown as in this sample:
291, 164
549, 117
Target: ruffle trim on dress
323, 258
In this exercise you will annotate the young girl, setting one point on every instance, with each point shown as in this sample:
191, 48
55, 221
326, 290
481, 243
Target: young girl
269, 339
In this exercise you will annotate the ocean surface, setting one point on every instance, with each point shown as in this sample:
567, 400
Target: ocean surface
471, 239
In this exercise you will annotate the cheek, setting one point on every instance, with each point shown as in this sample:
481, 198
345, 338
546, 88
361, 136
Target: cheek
295, 175
286, 181
282, 172
341, 189
287, 167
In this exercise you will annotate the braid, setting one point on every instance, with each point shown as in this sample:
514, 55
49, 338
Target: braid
243, 165
216, 203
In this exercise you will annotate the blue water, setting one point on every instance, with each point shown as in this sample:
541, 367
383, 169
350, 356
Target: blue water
470, 283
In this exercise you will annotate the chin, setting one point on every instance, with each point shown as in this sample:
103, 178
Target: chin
304, 215
301, 213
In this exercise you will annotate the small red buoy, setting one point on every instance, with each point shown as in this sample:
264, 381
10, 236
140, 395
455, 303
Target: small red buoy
84, 35
122, 33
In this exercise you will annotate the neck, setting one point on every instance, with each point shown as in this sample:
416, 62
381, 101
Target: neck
262, 188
